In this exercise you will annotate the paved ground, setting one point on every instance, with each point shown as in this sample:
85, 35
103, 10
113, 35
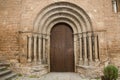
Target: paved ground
55, 76
61, 76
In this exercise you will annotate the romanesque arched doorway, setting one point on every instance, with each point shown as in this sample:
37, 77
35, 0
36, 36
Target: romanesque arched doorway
86, 50
61, 49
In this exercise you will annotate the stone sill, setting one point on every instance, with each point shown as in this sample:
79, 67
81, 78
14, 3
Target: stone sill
86, 67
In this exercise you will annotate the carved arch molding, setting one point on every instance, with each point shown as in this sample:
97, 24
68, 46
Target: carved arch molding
86, 47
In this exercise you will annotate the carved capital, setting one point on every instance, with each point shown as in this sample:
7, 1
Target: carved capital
84, 35
47, 36
89, 34
80, 35
30, 36
44, 36
35, 35
39, 36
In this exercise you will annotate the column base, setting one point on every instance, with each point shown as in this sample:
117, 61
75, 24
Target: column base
35, 61
29, 60
91, 63
39, 62
96, 60
44, 61
80, 62
86, 62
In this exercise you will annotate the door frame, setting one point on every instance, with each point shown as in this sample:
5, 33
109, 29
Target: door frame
74, 46
71, 34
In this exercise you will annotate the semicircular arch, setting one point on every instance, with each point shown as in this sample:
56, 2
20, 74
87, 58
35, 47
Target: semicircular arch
62, 20
81, 19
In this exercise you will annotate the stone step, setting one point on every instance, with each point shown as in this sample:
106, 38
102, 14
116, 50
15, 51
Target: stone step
5, 72
8, 76
4, 64
2, 68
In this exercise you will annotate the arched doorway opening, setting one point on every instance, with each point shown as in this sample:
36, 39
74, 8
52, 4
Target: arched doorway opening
61, 48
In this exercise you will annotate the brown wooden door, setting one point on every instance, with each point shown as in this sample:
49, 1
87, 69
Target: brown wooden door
61, 51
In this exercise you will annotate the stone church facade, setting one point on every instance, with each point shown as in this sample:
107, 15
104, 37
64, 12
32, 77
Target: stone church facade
26, 27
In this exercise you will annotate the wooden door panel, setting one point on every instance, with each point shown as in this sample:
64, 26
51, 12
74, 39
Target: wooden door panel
61, 51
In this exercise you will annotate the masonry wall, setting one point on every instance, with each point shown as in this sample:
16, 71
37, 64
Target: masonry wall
112, 24
19, 15
10, 12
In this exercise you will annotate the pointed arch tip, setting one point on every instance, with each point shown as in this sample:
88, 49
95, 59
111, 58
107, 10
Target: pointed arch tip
41, 18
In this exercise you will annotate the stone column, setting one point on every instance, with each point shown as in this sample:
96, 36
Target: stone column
85, 49
75, 49
80, 48
40, 48
96, 47
29, 48
48, 51
90, 47
35, 48
47, 48
44, 46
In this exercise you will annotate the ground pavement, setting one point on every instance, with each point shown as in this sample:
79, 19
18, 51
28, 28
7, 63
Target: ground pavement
55, 76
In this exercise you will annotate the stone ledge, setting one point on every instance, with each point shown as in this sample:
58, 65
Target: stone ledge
86, 67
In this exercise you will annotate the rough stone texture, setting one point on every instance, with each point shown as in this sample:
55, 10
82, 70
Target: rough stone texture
29, 69
19, 15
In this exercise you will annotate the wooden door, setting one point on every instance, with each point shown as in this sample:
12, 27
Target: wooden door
61, 51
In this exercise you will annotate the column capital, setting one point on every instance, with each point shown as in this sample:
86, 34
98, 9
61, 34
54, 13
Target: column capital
89, 34
47, 36
35, 35
80, 35
30, 36
84, 35
44, 36
75, 35
39, 36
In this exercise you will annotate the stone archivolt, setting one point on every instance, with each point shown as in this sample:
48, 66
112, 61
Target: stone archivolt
62, 11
